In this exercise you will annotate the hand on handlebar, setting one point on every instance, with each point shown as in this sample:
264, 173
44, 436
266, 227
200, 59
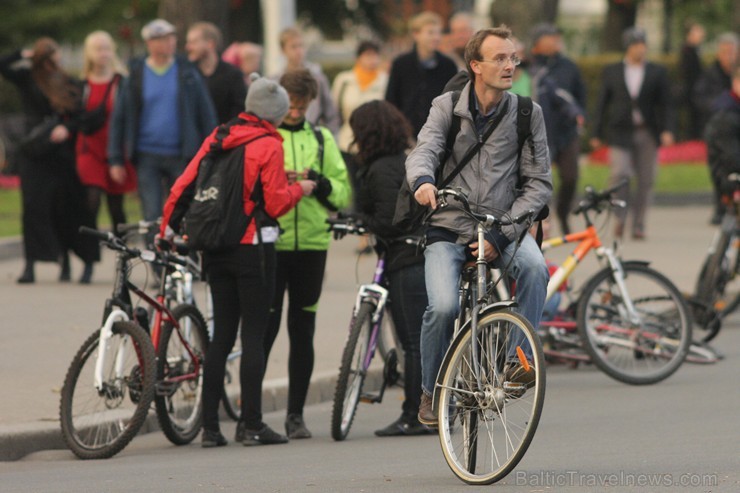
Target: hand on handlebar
426, 194
489, 251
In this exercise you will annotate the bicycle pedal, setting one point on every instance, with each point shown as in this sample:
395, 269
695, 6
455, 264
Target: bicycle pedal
166, 388
514, 387
369, 399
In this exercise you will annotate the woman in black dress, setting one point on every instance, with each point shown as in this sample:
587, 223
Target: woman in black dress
53, 207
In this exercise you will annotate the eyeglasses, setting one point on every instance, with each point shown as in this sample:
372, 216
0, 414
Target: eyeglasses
502, 60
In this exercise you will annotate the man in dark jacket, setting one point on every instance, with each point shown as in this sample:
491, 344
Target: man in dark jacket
690, 71
723, 136
563, 111
225, 82
633, 117
162, 114
417, 77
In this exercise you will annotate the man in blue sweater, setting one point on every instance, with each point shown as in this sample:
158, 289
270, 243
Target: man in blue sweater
161, 115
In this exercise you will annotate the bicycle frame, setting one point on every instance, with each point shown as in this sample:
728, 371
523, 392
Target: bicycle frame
119, 308
379, 296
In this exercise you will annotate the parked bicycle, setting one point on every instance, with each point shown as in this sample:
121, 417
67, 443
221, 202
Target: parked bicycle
487, 417
363, 339
633, 322
181, 285
718, 286
115, 375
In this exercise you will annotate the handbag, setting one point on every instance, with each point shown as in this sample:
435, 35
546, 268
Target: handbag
92, 121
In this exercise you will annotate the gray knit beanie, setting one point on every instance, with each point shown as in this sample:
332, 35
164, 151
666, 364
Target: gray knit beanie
267, 99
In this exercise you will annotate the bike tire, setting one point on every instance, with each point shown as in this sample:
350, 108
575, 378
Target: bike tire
231, 398
636, 355
98, 425
179, 402
717, 274
484, 436
352, 372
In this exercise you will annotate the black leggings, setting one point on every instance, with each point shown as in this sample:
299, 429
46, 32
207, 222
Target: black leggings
115, 206
302, 273
240, 293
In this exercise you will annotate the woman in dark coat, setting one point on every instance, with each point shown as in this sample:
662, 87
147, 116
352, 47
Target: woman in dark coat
383, 135
53, 207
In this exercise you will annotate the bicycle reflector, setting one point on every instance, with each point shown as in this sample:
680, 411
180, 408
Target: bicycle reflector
522, 358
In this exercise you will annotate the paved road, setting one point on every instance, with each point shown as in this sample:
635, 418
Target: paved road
591, 424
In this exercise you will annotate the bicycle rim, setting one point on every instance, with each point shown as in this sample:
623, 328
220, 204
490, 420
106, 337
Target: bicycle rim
352, 373
97, 424
179, 387
485, 429
642, 351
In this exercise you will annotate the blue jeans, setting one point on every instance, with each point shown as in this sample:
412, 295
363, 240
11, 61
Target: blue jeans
443, 264
155, 175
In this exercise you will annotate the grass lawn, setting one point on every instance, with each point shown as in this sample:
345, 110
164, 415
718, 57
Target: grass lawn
673, 179
10, 212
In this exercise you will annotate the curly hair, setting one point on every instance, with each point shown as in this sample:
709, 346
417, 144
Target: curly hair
379, 129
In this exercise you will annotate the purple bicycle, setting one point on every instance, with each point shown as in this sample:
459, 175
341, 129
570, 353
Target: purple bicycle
364, 338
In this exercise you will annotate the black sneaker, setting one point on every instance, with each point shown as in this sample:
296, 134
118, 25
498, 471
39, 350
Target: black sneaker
210, 439
400, 427
295, 427
265, 436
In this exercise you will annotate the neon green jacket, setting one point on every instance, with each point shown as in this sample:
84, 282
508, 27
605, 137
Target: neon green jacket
304, 227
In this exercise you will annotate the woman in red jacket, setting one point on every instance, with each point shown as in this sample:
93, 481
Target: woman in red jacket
242, 279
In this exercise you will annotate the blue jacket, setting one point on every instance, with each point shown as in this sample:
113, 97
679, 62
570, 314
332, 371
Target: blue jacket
196, 110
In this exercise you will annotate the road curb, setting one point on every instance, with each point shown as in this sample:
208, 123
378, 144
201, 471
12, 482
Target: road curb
19, 440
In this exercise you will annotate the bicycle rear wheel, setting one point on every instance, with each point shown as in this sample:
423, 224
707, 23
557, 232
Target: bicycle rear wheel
179, 387
486, 424
638, 351
719, 284
97, 424
232, 398
352, 372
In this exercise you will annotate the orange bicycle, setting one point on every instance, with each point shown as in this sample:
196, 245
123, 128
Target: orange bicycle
631, 321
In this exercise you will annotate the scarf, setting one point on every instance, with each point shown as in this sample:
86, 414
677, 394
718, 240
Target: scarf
365, 77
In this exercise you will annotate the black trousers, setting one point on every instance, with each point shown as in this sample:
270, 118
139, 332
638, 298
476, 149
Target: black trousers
240, 293
302, 274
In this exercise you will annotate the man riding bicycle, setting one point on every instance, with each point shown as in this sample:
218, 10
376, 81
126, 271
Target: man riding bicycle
496, 181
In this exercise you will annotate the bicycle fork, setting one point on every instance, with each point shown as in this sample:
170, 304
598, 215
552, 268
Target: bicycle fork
106, 332
618, 275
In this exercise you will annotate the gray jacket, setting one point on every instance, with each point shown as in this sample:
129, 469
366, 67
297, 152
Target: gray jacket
490, 178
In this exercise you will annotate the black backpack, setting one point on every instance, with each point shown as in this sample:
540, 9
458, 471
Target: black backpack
215, 219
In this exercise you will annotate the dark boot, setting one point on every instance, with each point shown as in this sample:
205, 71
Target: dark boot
87, 273
27, 277
65, 274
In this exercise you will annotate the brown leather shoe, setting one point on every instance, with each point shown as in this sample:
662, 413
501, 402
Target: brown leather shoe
427, 416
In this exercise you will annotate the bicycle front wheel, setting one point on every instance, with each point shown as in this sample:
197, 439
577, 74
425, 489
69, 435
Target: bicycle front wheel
352, 372
489, 399
179, 387
642, 347
97, 423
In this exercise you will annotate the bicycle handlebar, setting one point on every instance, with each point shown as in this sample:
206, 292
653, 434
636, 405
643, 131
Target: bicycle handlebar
486, 219
595, 200
346, 225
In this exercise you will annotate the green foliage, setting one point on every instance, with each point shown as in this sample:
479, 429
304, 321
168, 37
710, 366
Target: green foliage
22, 21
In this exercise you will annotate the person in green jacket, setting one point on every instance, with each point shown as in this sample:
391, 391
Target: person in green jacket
311, 153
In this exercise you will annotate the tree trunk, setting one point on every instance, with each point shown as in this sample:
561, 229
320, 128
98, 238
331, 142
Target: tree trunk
620, 15
550, 9
183, 13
